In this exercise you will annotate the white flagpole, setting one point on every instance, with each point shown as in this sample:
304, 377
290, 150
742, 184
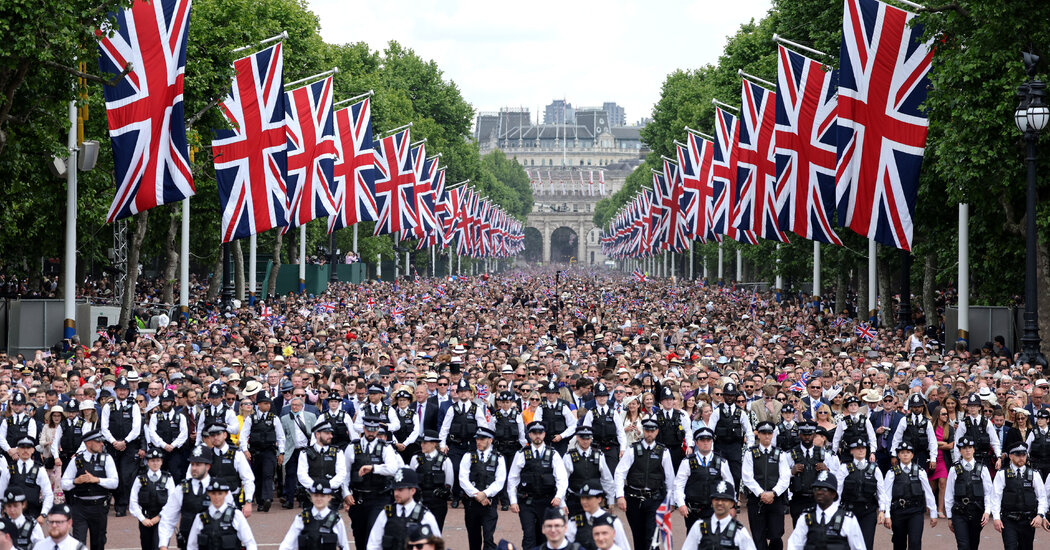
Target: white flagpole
355, 238
964, 272
184, 262
873, 282
69, 284
302, 258
816, 273
720, 262
379, 267
779, 283
739, 266
252, 259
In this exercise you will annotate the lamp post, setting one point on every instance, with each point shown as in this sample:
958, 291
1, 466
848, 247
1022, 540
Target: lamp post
226, 296
1031, 118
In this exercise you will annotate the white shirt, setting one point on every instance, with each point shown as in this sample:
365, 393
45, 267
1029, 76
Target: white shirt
170, 514
464, 473
836, 441
240, 464
240, 524
15, 419
246, 431
627, 460
561, 479
446, 467
464, 407
233, 427
993, 438
391, 461
109, 482
37, 534
1000, 484
136, 420
880, 482
375, 536
154, 437
621, 436
392, 423
291, 539
619, 539
742, 538
302, 471
850, 529
133, 507
986, 482
47, 494
566, 411
747, 473
931, 436
685, 470
67, 543
887, 501
608, 484
745, 421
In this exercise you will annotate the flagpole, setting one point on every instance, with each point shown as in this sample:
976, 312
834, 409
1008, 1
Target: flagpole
69, 277
739, 266
252, 259
333, 70
725, 105
779, 283
781, 40
369, 93
873, 284
396, 130
302, 258
699, 133
816, 274
964, 274
755, 79
281, 36
184, 262
355, 238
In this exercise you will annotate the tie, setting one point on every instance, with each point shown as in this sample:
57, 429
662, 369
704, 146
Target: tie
703, 461
820, 517
400, 511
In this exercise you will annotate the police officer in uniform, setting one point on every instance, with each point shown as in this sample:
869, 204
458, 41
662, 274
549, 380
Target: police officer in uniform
262, 441
122, 426
371, 463
580, 525
607, 427
341, 421
18, 426
557, 418
674, 427
70, 434
968, 496
231, 467
216, 412
222, 526
585, 466
436, 476
323, 464
785, 433
167, 431
319, 528
1038, 442
861, 487
30, 477
189, 499
732, 430
827, 526
406, 437
718, 530
461, 422
1019, 504
482, 476
697, 476
536, 481
377, 409
87, 482
917, 430
149, 493
766, 474
986, 445
509, 429
392, 525
644, 477
852, 427
906, 490
28, 531
806, 460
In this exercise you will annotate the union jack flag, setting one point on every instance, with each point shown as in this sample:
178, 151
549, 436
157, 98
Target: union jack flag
883, 80
723, 179
436, 236
454, 215
395, 184
694, 161
354, 169
865, 332
251, 158
839, 322
639, 276
424, 190
663, 534
756, 165
265, 312
398, 314
213, 317
145, 109
440, 291
483, 391
806, 130
311, 152
327, 307
278, 320
800, 385
672, 220
371, 304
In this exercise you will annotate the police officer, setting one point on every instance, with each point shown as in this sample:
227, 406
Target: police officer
377, 409
1019, 504
806, 460
461, 422
607, 427
262, 441
167, 431
697, 476
968, 497
30, 477
70, 433
766, 474
1038, 442
222, 526
482, 475
343, 430
732, 430
406, 437
319, 528
718, 530
324, 464
674, 427
827, 526
580, 525
917, 430
851, 427
861, 487
585, 466
231, 467
436, 476
785, 433
644, 477
28, 531
986, 445
392, 525
371, 463
216, 412
509, 428
189, 499
18, 426
87, 482
536, 481
122, 426
557, 418
905, 491
149, 493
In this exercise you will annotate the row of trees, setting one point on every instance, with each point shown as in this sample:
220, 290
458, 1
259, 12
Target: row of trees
39, 71
974, 152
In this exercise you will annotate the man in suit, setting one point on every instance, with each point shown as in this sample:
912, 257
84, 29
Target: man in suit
440, 401
297, 424
426, 414
766, 408
814, 397
885, 422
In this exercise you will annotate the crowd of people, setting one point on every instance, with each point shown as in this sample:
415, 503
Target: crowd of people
564, 401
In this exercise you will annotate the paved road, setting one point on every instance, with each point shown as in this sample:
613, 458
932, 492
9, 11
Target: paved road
269, 529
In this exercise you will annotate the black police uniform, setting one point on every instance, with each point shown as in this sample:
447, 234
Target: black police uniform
262, 444
72, 437
766, 520
371, 492
644, 490
27, 482
586, 470
671, 434
907, 504
218, 534
121, 419
1019, 507
860, 496
729, 439
982, 445
340, 427
152, 497
320, 467
538, 488
407, 418
507, 441
460, 439
915, 435
433, 492
194, 503
854, 430
802, 483
318, 534
1039, 452
397, 527
169, 427
480, 520
224, 469
90, 501
724, 539
553, 419
604, 429
968, 507
702, 479
828, 536
787, 436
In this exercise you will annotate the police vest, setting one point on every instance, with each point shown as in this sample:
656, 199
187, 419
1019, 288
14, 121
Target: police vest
855, 429
121, 421
223, 468
860, 488
72, 436
320, 466
766, 467
586, 470
647, 471
1019, 500
26, 481
722, 540
1039, 451
802, 484
371, 482
969, 491
537, 474
193, 503
263, 433
554, 418
168, 426
431, 474
702, 479
397, 527
907, 491
978, 431
17, 431
483, 474
729, 429
407, 419
506, 428
340, 428
604, 428
218, 417
671, 434
24, 537
827, 536
218, 534
95, 467
787, 436
153, 494
916, 434
584, 536
464, 424
317, 533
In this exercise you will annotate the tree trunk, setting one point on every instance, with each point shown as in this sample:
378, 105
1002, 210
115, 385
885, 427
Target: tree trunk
271, 286
134, 247
293, 249
840, 291
862, 289
929, 283
238, 270
886, 317
171, 254
215, 284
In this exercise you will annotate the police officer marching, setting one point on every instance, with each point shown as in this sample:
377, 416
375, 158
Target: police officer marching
377, 409
189, 499
405, 438
697, 477
674, 427
509, 429
460, 424
718, 530
391, 527
986, 445
216, 412
806, 460
167, 431
968, 497
557, 418
854, 426
579, 527
604, 533
644, 477
30, 477
607, 427
371, 463
87, 482
1019, 504
906, 490
917, 430
827, 526
585, 466
766, 474
482, 476
231, 467
1038, 442
536, 481
324, 464
343, 428
121, 427
785, 433
149, 493
732, 430
319, 528
221, 526
18, 426
861, 485
28, 531
436, 476
262, 441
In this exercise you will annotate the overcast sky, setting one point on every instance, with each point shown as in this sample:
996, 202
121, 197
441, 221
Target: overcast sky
528, 53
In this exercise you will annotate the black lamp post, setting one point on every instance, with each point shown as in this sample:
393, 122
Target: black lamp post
1031, 118
227, 278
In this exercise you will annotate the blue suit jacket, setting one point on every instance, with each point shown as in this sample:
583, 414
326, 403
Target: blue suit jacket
876, 422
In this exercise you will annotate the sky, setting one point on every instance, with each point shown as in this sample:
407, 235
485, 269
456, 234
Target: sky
525, 54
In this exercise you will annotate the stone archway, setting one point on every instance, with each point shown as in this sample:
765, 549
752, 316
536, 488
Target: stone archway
564, 245
533, 245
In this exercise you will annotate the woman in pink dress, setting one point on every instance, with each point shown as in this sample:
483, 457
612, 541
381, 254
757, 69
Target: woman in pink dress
942, 428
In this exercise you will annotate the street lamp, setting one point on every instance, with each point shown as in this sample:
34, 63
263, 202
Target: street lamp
1031, 118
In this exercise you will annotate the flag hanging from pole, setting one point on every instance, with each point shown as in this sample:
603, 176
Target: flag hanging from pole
395, 184
723, 178
756, 164
311, 152
354, 169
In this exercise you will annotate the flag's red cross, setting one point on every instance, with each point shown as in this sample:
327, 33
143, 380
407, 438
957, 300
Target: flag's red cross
763, 207
350, 163
394, 181
306, 155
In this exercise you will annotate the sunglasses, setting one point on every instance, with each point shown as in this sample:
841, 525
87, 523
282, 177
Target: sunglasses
442, 383
416, 546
